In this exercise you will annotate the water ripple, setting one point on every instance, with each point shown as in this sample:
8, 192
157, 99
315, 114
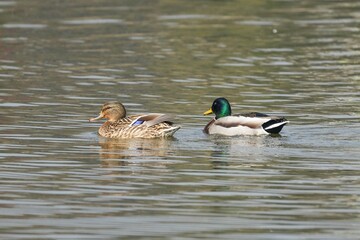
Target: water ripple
92, 21
24, 25
59, 179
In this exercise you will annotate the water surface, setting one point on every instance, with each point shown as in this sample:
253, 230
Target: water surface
60, 61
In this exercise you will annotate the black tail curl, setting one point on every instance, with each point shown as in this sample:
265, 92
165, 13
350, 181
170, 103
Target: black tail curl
274, 126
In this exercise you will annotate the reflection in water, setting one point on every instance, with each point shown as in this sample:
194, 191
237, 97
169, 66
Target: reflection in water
119, 152
244, 151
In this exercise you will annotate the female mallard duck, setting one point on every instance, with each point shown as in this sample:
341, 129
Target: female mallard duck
246, 124
139, 126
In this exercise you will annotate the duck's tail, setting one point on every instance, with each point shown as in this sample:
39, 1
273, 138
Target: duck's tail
169, 132
274, 126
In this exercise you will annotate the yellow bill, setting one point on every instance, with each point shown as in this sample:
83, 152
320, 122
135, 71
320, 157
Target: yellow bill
208, 112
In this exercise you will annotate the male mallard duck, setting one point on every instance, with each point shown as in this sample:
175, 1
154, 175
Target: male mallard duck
246, 124
140, 126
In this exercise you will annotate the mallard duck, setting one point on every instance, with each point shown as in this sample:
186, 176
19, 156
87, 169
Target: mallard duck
241, 124
139, 126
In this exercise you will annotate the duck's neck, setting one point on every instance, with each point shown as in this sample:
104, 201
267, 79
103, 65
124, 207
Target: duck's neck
105, 128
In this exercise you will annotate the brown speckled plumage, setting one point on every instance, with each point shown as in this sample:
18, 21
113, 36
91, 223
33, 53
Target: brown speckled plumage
120, 126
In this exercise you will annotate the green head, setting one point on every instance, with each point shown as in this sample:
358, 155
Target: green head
220, 107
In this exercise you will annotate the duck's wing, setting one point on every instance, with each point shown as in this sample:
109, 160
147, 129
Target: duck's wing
235, 125
255, 123
241, 120
254, 115
271, 124
152, 119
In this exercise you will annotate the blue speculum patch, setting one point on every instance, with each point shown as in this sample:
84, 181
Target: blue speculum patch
138, 122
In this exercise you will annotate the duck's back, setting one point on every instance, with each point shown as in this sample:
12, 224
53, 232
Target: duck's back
135, 127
